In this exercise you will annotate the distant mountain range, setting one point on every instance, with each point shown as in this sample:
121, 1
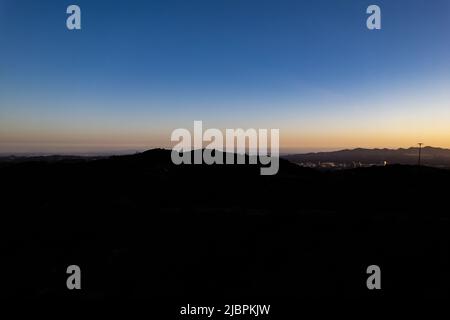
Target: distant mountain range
431, 156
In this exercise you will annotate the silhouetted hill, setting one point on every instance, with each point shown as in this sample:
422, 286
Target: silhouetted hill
140, 226
430, 156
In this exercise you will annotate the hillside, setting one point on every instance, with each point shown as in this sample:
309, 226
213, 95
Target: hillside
430, 156
140, 226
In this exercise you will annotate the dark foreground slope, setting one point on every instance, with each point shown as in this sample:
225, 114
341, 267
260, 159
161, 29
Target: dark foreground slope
139, 226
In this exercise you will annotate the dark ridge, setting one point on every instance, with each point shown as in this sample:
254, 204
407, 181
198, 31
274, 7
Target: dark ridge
142, 227
430, 156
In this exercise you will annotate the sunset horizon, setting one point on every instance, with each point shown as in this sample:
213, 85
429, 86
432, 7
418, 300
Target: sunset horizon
127, 80
225, 158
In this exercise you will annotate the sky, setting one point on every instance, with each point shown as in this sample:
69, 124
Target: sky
137, 70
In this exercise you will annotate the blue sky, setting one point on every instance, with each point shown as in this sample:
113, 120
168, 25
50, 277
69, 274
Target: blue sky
139, 69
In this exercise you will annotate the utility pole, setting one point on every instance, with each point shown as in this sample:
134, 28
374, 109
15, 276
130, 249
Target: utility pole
420, 151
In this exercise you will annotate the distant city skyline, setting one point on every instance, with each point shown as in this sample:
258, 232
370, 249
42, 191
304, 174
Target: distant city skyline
139, 69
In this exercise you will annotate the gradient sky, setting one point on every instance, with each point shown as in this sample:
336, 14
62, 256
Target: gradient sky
139, 69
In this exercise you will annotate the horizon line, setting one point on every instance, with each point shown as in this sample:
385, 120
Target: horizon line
129, 151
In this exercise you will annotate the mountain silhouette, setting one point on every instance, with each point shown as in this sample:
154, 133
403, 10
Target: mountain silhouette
429, 156
139, 226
